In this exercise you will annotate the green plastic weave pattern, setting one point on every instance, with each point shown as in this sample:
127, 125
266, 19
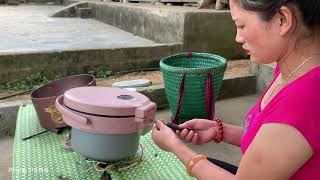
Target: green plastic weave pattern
196, 66
43, 157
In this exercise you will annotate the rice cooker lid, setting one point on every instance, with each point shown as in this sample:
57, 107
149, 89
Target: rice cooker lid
104, 101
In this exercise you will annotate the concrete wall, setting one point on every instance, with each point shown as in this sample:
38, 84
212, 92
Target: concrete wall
151, 23
264, 73
211, 32
198, 30
17, 66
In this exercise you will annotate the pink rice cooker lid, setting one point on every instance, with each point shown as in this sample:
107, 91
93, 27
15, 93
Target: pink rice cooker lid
104, 101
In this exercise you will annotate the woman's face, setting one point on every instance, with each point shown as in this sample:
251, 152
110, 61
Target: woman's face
260, 39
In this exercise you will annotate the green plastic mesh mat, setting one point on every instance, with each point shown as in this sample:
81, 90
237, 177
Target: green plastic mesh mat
196, 66
43, 156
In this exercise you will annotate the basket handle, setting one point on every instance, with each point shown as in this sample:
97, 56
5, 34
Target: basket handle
209, 95
175, 119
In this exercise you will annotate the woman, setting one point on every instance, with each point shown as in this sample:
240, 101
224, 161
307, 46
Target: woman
281, 134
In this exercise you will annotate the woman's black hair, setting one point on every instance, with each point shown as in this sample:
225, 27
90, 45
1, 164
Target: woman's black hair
309, 9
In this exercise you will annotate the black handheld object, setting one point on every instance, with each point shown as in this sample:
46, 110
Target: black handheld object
175, 126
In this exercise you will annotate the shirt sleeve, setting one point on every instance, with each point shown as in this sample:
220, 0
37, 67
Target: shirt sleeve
300, 110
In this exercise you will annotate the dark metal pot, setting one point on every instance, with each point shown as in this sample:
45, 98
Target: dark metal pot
44, 98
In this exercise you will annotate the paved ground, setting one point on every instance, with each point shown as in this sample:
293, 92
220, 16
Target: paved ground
27, 28
6, 143
230, 110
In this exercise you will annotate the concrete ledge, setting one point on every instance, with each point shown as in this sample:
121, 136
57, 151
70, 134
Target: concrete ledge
231, 87
16, 66
156, 94
238, 86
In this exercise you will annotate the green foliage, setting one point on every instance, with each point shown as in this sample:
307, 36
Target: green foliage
101, 73
26, 83
40, 79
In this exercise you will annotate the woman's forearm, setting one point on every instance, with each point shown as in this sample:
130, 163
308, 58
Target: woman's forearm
232, 134
203, 169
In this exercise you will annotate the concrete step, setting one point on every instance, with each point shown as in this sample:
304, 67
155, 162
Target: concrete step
18, 65
239, 80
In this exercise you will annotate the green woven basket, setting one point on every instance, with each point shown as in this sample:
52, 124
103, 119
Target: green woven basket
195, 66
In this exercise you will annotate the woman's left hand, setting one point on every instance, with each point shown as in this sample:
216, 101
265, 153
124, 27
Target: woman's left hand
164, 137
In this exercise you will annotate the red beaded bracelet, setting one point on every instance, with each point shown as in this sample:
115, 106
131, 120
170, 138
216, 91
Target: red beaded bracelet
219, 138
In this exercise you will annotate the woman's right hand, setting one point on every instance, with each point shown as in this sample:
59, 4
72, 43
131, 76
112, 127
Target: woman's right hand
203, 131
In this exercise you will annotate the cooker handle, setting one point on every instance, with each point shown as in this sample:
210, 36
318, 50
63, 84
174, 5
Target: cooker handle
144, 116
69, 114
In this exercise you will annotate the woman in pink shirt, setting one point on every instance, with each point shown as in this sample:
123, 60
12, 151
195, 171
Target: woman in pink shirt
280, 138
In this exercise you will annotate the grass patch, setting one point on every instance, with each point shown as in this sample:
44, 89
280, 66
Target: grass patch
40, 78
26, 83
101, 73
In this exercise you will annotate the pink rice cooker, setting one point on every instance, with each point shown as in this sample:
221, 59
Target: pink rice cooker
106, 122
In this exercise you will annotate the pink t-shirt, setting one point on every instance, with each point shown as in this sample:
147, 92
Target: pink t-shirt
298, 105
